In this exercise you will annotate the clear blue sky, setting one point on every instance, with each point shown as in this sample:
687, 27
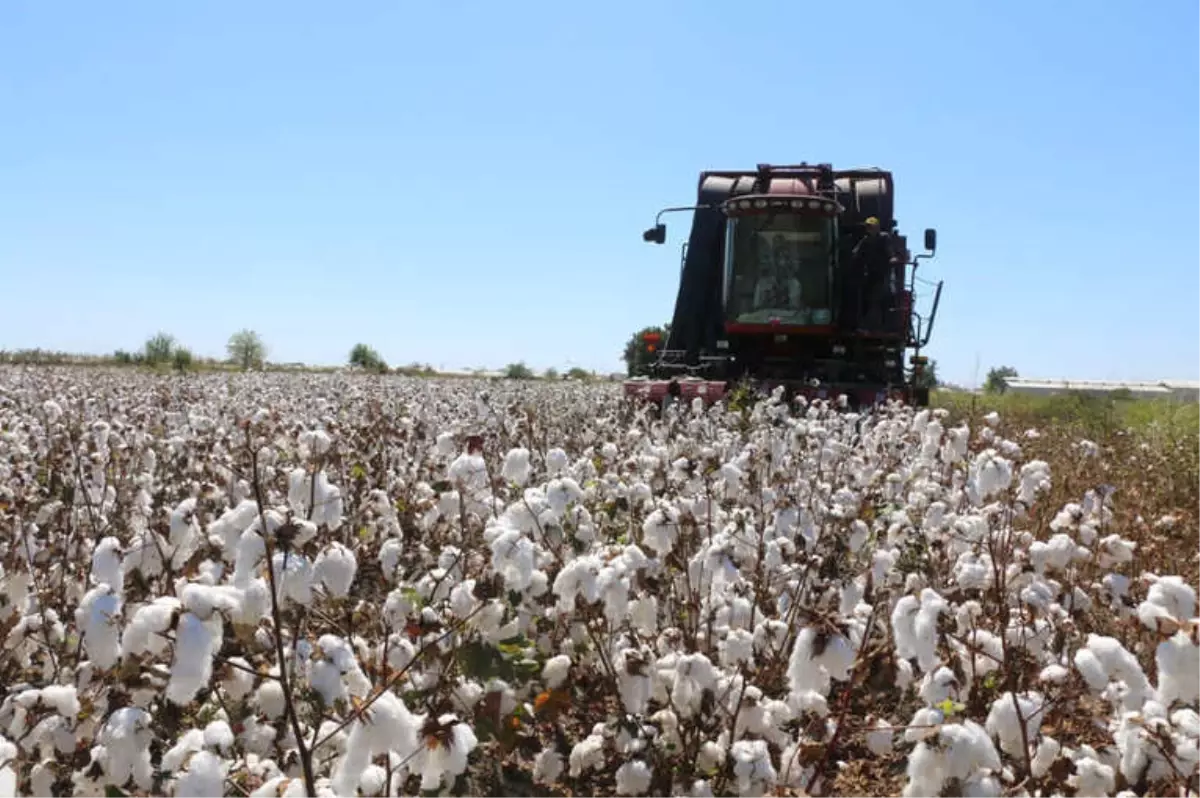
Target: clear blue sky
466, 183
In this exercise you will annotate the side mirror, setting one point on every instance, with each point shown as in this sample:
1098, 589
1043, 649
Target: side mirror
931, 239
656, 234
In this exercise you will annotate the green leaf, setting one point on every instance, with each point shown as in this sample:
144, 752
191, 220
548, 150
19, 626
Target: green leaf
357, 472
951, 707
477, 660
113, 792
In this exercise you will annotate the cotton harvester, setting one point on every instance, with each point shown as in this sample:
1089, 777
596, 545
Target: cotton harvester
775, 289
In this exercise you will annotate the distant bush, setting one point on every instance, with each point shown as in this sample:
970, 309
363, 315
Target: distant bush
365, 357
181, 360
518, 371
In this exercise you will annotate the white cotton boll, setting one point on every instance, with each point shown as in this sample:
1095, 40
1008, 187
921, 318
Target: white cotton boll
643, 614
1034, 479
924, 724
710, 758
859, 533
587, 754
251, 549
1178, 662
144, 632
660, 529
205, 776
1122, 665
633, 778
335, 568
387, 726
227, 530
99, 616
1003, 724
191, 741
1114, 550
185, 535
444, 763
555, 671
389, 557
445, 443
196, 642
737, 648
938, 686
516, 467
633, 680
1092, 778
879, 738
270, 699
904, 615
106, 565
1174, 595
295, 581
752, 767
1091, 669
1054, 674
547, 767
1047, 752
125, 738
514, 558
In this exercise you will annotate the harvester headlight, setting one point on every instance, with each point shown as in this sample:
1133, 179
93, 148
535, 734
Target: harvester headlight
890, 364
814, 204
762, 203
797, 204
838, 349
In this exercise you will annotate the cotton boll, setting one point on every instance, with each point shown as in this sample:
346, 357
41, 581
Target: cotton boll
106, 565
587, 754
1003, 723
388, 726
555, 671
633, 778
1178, 662
447, 759
270, 699
196, 642
99, 616
334, 568
547, 767
1047, 752
516, 467
143, 633
660, 529
879, 738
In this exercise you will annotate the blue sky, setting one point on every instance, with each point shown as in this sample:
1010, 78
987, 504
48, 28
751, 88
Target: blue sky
466, 183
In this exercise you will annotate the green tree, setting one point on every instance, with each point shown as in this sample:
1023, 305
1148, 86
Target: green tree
580, 374
365, 357
997, 379
637, 355
159, 349
518, 371
551, 375
182, 359
246, 349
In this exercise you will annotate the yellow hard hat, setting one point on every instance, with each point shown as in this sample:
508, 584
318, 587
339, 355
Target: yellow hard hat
872, 220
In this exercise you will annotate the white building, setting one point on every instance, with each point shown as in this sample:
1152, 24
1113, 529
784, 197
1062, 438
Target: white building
1181, 390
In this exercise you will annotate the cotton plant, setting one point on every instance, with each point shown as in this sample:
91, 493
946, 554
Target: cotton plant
351, 586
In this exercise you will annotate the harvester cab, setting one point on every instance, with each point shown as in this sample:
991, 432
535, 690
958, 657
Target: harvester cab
795, 276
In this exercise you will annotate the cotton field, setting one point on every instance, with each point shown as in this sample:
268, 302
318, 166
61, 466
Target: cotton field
285, 585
